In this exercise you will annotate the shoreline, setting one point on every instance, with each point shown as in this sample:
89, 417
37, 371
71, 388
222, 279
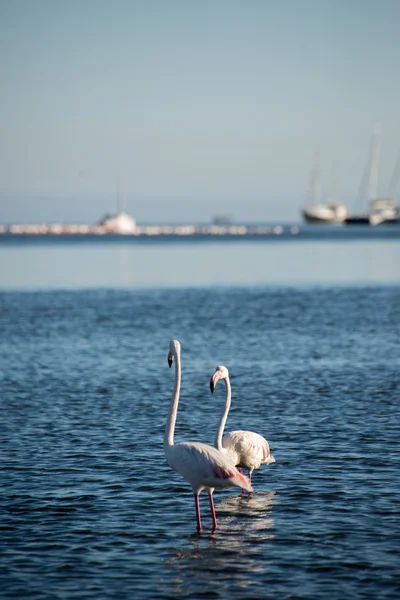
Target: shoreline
200, 233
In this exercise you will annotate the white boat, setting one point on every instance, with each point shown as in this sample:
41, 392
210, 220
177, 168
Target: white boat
382, 209
120, 222
325, 213
318, 212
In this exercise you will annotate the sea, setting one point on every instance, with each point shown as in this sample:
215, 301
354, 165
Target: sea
310, 332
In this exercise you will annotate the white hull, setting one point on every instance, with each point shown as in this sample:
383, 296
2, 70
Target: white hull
383, 210
325, 213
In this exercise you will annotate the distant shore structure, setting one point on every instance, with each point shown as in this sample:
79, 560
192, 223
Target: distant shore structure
118, 223
222, 220
122, 223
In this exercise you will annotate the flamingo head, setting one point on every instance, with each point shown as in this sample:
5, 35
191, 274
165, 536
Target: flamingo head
174, 350
220, 373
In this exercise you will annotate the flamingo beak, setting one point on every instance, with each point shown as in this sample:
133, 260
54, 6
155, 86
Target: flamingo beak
213, 381
170, 359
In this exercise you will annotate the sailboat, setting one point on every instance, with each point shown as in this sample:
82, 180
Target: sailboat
321, 213
382, 209
119, 222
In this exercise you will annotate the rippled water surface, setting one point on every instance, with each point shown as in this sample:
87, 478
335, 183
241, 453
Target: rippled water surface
91, 510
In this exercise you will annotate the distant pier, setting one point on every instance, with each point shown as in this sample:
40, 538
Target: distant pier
121, 226
124, 225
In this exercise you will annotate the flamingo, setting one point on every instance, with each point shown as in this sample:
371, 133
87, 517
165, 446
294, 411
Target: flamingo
203, 466
247, 449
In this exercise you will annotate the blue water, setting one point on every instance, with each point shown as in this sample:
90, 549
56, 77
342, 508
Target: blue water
89, 507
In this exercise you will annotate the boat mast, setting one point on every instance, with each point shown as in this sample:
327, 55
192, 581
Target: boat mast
394, 178
374, 165
369, 180
315, 180
121, 199
118, 200
335, 183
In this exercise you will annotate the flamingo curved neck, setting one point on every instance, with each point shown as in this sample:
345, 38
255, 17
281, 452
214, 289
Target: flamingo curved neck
173, 409
224, 415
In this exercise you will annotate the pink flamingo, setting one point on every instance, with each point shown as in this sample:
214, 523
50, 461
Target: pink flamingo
248, 450
203, 466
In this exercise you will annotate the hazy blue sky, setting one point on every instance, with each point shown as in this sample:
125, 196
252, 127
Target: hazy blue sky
196, 107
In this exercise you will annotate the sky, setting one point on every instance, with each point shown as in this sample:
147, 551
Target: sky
181, 110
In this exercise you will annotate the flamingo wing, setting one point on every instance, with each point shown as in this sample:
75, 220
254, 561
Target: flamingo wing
204, 466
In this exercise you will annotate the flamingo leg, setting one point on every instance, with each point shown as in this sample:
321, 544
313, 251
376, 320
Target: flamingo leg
250, 474
214, 517
197, 504
241, 471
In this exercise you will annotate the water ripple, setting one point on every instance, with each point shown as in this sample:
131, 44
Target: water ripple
91, 510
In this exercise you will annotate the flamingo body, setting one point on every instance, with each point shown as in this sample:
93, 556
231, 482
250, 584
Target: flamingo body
204, 467
248, 450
